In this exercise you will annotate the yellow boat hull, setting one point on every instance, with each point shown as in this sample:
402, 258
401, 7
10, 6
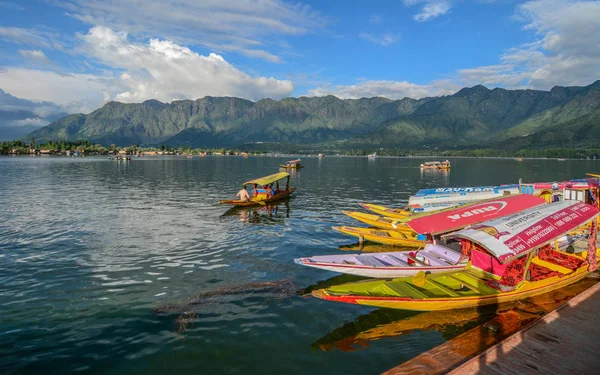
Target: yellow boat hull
479, 294
380, 222
396, 213
386, 237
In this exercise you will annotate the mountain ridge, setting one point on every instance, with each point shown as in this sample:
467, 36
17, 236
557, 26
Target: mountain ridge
473, 115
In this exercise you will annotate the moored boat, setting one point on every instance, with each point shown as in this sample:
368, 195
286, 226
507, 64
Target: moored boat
382, 222
432, 259
444, 165
386, 211
292, 164
264, 192
460, 195
512, 258
386, 237
450, 220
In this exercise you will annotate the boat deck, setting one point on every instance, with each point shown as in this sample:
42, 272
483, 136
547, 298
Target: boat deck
564, 341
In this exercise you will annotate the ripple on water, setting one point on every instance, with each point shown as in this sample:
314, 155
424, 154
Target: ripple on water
89, 247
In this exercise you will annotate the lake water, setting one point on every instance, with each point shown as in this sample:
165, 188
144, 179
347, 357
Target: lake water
92, 250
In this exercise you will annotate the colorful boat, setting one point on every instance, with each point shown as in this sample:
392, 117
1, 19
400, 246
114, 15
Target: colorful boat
386, 237
512, 188
386, 211
292, 164
383, 222
444, 165
458, 218
511, 259
457, 196
436, 206
264, 192
383, 323
432, 259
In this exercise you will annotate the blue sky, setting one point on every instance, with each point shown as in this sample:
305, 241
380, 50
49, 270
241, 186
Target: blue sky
75, 55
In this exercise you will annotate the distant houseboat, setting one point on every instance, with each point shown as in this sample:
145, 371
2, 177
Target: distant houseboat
445, 165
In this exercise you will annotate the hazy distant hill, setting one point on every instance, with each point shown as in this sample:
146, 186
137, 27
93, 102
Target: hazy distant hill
472, 115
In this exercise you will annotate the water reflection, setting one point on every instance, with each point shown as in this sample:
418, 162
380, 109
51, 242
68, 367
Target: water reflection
390, 323
441, 177
270, 213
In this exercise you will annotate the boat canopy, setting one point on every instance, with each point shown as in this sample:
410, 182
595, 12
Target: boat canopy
473, 189
511, 237
268, 179
458, 218
294, 161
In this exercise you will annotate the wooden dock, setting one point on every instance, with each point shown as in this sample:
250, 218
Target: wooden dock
565, 341
520, 341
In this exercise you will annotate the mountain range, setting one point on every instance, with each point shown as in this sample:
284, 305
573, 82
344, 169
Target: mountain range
474, 116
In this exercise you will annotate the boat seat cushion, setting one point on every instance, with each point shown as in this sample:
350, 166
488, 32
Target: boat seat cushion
486, 262
433, 261
561, 259
513, 275
537, 272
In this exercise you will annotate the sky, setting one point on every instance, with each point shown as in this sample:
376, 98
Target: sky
70, 56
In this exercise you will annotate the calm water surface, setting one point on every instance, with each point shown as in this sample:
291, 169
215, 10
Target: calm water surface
89, 247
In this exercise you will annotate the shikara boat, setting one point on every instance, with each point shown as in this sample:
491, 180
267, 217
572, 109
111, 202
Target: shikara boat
292, 164
444, 165
450, 220
264, 192
382, 323
427, 197
511, 259
386, 211
371, 247
432, 259
499, 189
383, 222
386, 237
444, 221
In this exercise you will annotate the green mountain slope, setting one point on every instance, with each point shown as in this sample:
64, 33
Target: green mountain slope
581, 132
478, 114
472, 116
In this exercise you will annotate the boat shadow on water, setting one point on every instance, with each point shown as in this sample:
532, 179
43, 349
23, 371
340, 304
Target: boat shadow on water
270, 213
394, 324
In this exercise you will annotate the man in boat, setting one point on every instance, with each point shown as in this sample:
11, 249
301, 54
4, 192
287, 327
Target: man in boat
243, 195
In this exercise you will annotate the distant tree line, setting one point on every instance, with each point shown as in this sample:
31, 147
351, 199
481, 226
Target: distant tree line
24, 147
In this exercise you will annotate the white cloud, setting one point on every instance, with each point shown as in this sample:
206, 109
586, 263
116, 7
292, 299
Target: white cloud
384, 40
243, 26
430, 8
160, 70
24, 36
72, 92
388, 89
35, 56
167, 71
566, 51
39, 122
